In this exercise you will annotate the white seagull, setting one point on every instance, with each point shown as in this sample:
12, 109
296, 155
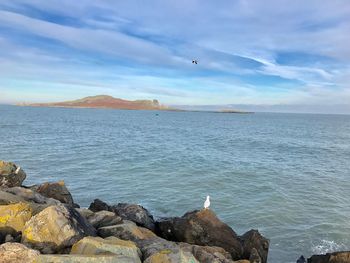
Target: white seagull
207, 202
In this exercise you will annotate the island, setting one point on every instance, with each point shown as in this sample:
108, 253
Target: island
109, 102
105, 102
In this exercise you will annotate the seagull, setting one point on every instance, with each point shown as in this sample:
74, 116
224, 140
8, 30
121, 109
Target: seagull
207, 202
194, 61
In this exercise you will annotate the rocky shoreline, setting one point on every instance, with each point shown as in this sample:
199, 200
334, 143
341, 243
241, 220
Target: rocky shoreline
41, 223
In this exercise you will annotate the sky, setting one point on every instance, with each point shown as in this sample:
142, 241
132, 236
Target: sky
249, 52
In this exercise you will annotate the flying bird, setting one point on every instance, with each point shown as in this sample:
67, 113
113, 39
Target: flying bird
207, 202
194, 61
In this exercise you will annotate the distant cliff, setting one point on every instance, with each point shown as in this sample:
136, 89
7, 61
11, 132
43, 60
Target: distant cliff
104, 101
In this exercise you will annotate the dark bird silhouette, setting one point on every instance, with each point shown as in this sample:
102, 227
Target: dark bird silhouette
195, 62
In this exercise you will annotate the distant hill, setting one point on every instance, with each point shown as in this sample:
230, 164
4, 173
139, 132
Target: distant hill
105, 101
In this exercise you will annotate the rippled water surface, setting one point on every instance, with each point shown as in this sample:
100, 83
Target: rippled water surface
287, 175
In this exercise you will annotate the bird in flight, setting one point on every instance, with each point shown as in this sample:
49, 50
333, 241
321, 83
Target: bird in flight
194, 61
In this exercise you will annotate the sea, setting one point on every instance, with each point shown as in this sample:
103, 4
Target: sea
287, 175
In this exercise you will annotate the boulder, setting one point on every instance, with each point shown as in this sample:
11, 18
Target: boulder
205, 254
135, 213
57, 190
201, 228
84, 212
255, 246
127, 231
156, 250
30, 195
97, 245
11, 174
104, 218
335, 257
17, 253
55, 228
7, 198
108, 258
13, 218
98, 205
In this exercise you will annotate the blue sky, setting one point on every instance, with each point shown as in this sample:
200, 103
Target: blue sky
273, 52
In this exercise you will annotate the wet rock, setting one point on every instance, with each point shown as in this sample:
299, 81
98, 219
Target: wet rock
109, 258
135, 213
56, 190
98, 205
254, 240
55, 228
104, 218
127, 231
13, 218
336, 257
97, 245
17, 253
11, 174
201, 228
301, 259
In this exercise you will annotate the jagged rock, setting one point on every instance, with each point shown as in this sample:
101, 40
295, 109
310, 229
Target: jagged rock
301, 259
56, 190
17, 253
98, 205
127, 230
336, 257
55, 228
135, 213
205, 254
104, 218
254, 240
201, 228
13, 218
11, 174
97, 245
109, 258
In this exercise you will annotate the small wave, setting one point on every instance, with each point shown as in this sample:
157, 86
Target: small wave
327, 246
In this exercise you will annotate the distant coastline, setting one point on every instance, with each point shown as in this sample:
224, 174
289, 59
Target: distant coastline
109, 102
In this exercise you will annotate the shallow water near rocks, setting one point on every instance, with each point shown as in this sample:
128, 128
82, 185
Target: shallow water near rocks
284, 174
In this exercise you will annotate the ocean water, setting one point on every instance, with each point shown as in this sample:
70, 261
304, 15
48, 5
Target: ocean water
287, 175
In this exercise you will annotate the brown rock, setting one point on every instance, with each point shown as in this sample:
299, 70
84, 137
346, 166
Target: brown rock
17, 253
57, 190
253, 240
205, 254
97, 245
55, 228
201, 228
336, 257
127, 230
11, 174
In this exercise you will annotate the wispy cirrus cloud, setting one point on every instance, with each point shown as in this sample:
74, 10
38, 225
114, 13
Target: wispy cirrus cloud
248, 51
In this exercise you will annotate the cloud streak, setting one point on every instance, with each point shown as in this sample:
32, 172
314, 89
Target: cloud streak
249, 51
